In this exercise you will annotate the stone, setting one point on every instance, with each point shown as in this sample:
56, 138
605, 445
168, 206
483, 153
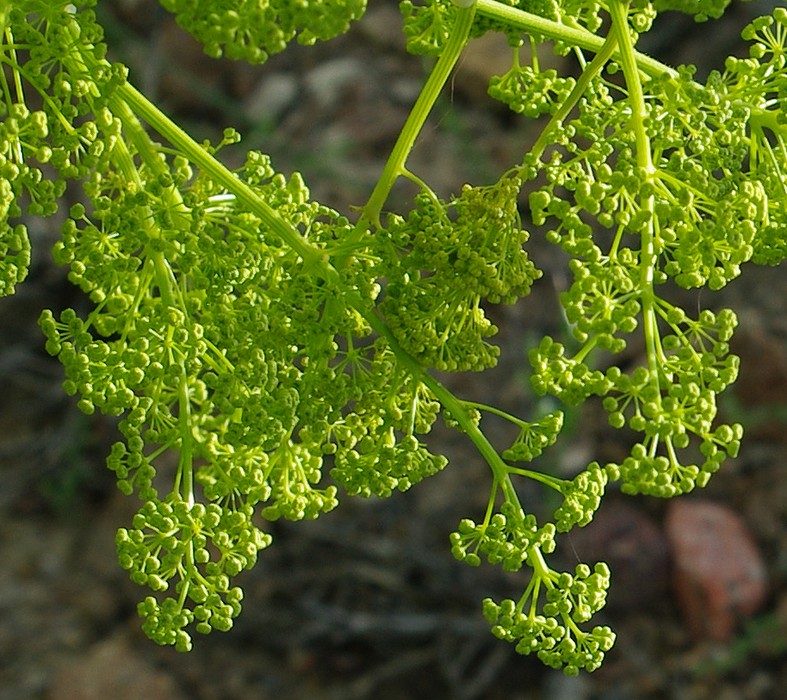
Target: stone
719, 574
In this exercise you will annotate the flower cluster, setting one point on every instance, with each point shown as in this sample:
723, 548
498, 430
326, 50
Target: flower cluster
14, 256
41, 147
201, 548
504, 538
760, 83
260, 344
426, 27
249, 31
212, 337
602, 302
529, 91
646, 471
229, 329
450, 258
581, 497
381, 464
553, 633
707, 203
568, 378
702, 10
534, 437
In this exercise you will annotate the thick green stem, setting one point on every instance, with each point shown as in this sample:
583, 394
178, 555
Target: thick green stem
452, 404
437, 79
581, 38
5, 9
636, 98
606, 51
244, 194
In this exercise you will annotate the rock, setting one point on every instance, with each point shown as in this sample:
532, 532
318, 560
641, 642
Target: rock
329, 82
271, 98
719, 574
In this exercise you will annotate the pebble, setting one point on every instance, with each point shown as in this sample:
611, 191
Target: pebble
719, 573
271, 98
327, 82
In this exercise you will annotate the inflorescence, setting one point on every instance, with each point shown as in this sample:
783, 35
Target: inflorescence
262, 350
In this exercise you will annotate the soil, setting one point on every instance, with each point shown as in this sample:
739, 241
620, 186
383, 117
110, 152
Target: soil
367, 602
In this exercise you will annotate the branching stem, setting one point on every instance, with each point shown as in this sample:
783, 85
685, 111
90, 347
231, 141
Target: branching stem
581, 38
396, 164
620, 27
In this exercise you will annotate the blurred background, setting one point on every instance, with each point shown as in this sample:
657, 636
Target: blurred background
367, 602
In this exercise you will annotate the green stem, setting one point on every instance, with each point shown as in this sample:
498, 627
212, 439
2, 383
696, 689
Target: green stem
452, 404
185, 453
636, 97
490, 505
395, 166
619, 12
216, 170
541, 570
14, 66
486, 408
583, 39
552, 481
606, 51
545, 479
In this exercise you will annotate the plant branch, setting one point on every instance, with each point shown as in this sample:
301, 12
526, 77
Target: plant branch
395, 166
530, 23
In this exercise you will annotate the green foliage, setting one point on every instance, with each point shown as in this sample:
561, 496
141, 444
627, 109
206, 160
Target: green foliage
249, 30
262, 350
702, 11
447, 260
530, 91
554, 635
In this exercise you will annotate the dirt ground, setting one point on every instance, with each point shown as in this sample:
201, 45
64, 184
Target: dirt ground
367, 602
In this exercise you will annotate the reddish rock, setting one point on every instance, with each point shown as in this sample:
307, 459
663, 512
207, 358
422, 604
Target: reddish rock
719, 573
